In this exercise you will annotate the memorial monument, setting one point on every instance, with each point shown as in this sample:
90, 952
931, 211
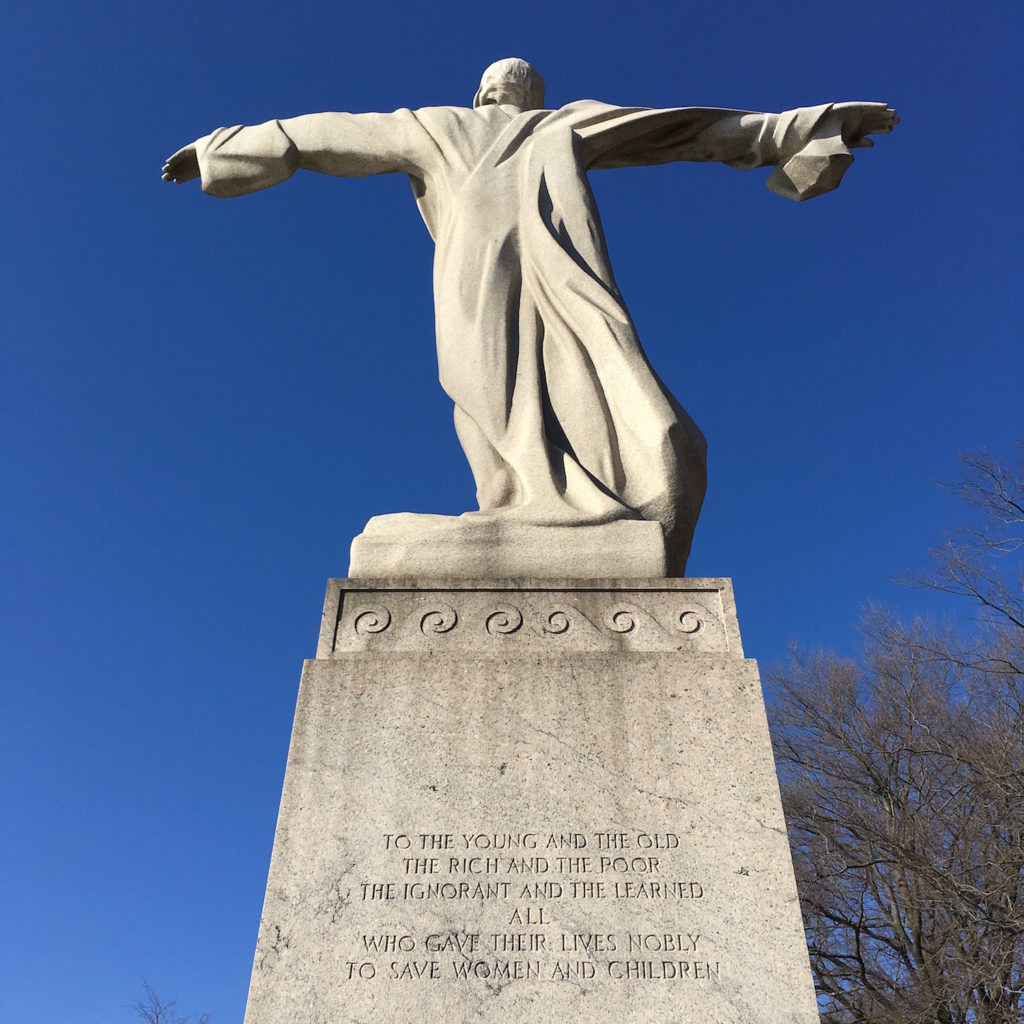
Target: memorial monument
530, 775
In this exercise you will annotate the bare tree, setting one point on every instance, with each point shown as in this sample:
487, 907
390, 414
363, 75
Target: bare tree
153, 1010
972, 563
903, 783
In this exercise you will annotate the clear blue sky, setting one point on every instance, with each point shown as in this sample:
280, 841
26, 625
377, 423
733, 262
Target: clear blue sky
203, 402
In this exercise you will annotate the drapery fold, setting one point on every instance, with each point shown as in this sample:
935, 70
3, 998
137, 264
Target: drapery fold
561, 416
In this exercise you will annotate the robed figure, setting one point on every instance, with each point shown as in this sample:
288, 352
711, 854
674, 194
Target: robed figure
561, 417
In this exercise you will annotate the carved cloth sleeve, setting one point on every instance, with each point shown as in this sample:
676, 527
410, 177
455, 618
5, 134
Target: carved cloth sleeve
804, 145
238, 160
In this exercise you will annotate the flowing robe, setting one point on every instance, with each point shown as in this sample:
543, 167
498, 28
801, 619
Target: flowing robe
560, 415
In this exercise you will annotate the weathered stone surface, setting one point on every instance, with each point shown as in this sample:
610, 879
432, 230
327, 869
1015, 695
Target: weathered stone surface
484, 821
479, 546
548, 616
562, 419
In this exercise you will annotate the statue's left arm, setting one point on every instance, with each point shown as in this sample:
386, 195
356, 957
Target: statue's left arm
809, 147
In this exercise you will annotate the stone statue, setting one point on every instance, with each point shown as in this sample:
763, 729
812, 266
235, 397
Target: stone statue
562, 419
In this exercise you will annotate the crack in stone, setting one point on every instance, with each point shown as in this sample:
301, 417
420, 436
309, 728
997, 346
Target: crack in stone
280, 943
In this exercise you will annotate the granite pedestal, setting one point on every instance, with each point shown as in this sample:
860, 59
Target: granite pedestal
540, 801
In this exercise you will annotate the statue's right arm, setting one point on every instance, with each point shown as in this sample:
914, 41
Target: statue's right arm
235, 161
809, 147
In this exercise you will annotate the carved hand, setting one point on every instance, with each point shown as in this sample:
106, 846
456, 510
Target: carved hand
859, 120
182, 166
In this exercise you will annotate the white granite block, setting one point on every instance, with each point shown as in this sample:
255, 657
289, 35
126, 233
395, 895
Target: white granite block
530, 802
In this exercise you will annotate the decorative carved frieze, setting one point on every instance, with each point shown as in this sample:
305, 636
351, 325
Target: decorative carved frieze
663, 615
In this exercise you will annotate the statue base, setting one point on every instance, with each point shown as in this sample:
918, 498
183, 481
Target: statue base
477, 545
544, 800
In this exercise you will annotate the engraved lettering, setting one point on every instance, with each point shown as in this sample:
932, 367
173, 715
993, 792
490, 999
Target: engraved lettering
663, 943
420, 865
664, 970
436, 841
583, 942
388, 943
662, 841
500, 970
658, 890
641, 865
573, 865
518, 942
541, 891
453, 942
365, 970
413, 970
569, 970
473, 865
476, 869
532, 915
613, 841
500, 841
378, 890
455, 891
528, 866
572, 841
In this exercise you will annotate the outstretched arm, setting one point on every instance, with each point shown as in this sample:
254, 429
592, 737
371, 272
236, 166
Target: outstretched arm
809, 147
235, 161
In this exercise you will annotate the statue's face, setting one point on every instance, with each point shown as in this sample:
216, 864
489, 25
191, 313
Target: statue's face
495, 88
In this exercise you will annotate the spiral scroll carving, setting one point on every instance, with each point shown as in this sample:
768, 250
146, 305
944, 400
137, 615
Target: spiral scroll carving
621, 620
440, 620
505, 619
688, 622
466, 618
556, 622
374, 619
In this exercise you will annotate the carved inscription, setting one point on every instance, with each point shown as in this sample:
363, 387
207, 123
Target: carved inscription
519, 898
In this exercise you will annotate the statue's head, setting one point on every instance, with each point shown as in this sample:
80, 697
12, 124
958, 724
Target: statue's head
514, 81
